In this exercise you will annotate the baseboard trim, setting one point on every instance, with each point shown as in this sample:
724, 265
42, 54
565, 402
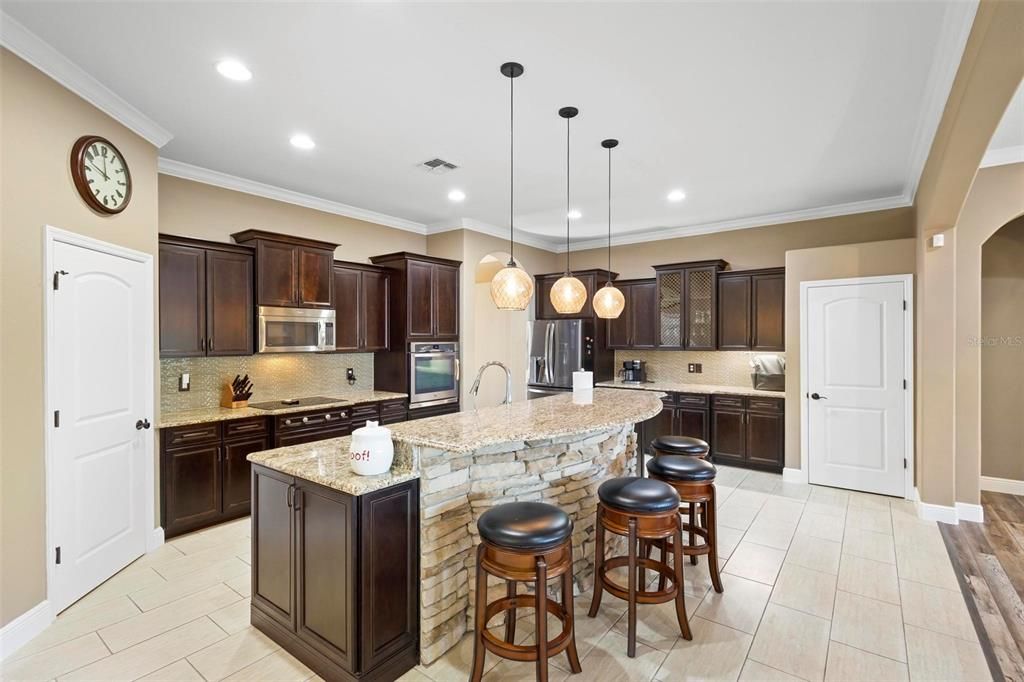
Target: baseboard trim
1002, 485
790, 475
970, 512
24, 628
937, 512
155, 539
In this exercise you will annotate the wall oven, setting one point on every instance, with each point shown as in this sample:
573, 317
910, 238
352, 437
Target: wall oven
433, 374
294, 330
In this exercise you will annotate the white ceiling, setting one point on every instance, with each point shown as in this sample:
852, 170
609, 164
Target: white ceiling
760, 111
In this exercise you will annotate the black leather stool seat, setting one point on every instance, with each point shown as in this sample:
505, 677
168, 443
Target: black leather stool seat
680, 445
525, 525
681, 468
638, 494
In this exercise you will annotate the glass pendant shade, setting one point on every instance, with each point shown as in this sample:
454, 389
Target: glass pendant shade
511, 288
609, 302
568, 295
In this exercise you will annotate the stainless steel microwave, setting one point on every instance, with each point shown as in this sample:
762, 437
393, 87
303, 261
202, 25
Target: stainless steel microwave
294, 330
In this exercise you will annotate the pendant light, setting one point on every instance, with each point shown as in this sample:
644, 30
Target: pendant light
568, 294
511, 287
609, 301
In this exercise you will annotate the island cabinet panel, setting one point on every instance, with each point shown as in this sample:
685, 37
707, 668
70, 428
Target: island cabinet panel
206, 299
336, 576
361, 307
291, 271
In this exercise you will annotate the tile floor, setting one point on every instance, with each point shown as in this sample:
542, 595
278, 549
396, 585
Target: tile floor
819, 584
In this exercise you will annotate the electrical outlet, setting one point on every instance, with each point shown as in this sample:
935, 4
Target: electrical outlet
694, 368
350, 375
184, 381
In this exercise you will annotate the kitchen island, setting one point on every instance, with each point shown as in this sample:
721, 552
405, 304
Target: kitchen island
458, 465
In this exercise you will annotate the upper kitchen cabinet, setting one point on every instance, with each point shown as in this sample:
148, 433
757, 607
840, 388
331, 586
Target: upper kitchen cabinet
206, 303
592, 280
291, 272
686, 304
636, 327
751, 310
361, 306
424, 296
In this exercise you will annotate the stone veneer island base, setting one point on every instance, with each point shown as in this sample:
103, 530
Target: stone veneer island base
550, 450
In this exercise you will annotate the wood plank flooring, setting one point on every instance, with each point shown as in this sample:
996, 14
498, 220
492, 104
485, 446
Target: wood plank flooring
989, 561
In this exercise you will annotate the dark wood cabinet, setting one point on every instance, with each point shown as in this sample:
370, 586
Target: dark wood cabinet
683, 414
424, 297
591, 279
686, 304
432, 411
206, 303
361, 307
291, 271
446, 301
191, 479
335, 577
235, 470
729, 435
751, 310
636, 326
748, 431
307, 427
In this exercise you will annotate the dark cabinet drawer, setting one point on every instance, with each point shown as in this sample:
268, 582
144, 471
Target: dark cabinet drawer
765, 404
733, 401
192, 434
256, 426
693, 399
363, 413
305, 420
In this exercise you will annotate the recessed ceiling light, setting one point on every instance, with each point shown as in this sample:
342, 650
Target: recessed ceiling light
233, 69
575, 215
676, 195
302, 141
456, 195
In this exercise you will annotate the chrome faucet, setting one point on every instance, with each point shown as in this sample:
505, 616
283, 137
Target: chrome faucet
508, 382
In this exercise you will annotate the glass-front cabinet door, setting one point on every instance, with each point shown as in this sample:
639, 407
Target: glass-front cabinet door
686, 301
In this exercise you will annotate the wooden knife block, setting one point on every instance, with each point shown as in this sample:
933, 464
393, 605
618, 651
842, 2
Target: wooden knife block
227, 399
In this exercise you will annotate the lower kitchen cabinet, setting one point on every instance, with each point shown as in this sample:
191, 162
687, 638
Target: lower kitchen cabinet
684, 414
432, 411
335, 577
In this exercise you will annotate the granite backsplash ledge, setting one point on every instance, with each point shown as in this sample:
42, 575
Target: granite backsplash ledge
722, 368
274, 376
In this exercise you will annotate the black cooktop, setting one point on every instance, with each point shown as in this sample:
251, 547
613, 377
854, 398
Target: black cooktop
311, 401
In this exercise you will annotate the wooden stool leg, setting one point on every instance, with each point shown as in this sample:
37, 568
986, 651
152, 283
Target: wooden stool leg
677, 551
570, 617
631, 581
510, 615
595, 603
693, 537
663, 545
541, 617
479, 652
712, 523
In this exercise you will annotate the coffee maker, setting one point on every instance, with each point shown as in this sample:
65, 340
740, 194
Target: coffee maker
633, 372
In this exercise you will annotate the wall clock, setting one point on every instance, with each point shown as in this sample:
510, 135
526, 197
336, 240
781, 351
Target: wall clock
101, 174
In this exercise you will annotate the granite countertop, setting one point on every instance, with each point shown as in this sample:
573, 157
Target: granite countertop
327, 462
216, 414
676, 387
528, 420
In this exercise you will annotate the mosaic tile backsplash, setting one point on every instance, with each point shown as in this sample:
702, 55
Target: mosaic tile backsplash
274, 376
721, 368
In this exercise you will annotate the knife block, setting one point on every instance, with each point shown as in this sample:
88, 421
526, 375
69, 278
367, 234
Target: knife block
227, 399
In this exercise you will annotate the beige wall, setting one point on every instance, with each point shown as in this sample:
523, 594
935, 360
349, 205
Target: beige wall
39, 122
989, 73
192, 209
1002, 355
894, 257
758, 247
996, 198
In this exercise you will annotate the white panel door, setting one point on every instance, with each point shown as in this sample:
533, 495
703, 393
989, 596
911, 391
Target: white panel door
856, 399
99, 374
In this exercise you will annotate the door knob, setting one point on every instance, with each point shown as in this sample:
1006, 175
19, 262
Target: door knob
142, 424
815, 396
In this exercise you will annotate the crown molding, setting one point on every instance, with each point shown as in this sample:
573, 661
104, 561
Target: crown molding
47, 59
1003, 156
835, 210
206, 176
949, 52
474, 225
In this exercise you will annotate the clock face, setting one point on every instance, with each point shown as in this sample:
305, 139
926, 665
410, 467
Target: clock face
101, 174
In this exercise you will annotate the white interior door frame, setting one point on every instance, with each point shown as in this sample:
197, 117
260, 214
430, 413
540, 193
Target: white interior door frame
908, 341
51, 237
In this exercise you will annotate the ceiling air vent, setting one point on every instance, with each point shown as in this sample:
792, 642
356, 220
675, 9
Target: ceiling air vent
438, 166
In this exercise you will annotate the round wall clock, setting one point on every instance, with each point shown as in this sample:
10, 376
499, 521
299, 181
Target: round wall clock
101, 174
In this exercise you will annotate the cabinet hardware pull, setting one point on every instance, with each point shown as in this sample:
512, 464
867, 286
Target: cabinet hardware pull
305, 420
288, 422
290, 495
248, 427
209, 343
194, 434
202, 344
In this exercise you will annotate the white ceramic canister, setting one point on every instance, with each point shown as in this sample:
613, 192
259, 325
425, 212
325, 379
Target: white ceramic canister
371, 451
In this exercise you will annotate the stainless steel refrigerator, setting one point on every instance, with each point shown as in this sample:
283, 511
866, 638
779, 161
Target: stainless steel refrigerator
557, 349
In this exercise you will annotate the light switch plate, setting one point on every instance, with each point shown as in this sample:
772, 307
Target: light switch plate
184, 381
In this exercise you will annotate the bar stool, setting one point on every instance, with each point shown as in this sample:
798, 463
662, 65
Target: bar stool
524, 542
694, 480
689, 447
641, 509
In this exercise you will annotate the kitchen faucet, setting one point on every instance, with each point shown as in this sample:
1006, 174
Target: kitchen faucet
508, 382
